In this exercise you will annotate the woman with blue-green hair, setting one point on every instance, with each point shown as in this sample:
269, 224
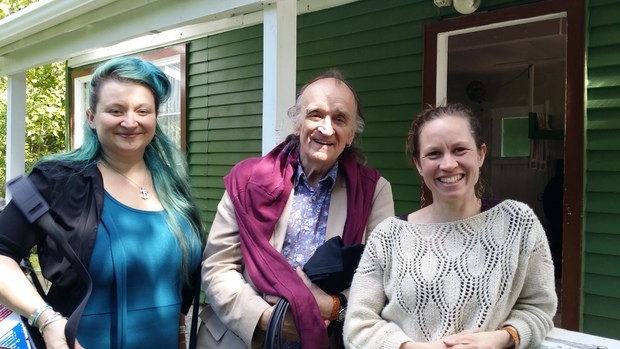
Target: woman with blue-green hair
124, 199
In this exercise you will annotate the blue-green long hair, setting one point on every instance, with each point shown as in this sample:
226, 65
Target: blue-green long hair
171, 179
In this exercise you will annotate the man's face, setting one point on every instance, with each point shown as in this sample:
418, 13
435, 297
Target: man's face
327, 123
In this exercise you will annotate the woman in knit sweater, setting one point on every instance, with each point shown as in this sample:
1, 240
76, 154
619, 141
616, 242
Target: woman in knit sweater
458, 273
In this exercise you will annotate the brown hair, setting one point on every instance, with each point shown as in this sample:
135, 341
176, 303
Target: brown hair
434, 113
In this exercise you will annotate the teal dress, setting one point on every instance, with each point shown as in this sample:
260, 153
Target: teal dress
136, 298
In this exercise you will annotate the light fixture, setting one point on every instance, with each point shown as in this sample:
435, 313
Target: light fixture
466, 6
443, 3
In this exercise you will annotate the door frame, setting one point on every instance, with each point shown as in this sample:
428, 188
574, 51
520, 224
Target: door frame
574, 144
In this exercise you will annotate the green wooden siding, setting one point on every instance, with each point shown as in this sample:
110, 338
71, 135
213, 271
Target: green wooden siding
601, 279
224, 98
378, 44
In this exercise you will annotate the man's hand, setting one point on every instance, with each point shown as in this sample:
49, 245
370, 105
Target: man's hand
289, 330
323, 300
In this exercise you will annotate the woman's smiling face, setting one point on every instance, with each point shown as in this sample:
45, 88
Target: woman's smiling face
449, 160
125, 118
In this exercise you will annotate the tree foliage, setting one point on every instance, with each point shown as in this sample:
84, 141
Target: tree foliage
45, 106
9, 7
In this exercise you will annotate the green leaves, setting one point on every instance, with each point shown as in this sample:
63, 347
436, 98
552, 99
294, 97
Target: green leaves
45, 115
8, 7
45, 109
45, 106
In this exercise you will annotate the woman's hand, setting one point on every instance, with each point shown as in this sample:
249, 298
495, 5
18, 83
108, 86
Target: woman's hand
54, 336
480, 340
438, 344
444, 343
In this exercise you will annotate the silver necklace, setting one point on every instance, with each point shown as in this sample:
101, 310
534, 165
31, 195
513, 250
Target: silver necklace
144, 194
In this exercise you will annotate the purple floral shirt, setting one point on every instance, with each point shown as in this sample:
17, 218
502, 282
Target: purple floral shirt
308, 222
307, 225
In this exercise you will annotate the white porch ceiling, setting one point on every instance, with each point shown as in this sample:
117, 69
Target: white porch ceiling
82, 31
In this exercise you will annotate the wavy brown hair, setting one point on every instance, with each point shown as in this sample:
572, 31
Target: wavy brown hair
433, 113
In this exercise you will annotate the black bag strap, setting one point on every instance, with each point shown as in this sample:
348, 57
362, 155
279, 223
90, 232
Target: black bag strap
36, 210
274, 339
27, 268
195, 308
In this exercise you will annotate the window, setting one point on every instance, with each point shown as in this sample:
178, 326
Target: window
515, 141
169, 118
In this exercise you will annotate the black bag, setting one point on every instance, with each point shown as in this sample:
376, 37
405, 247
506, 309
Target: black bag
273, 337
331, 267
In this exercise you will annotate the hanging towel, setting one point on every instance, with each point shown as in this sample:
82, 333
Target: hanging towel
538, 147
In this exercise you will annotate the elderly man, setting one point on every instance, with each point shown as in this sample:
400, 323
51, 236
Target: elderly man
277, 210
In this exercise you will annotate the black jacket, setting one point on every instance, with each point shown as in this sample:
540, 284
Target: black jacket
75, 196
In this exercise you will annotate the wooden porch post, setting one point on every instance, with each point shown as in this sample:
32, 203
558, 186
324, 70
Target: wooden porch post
15, 126
279, 70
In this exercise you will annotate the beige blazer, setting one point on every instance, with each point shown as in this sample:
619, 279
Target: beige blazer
235, 306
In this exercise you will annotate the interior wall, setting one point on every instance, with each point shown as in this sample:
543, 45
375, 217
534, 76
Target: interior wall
507, 95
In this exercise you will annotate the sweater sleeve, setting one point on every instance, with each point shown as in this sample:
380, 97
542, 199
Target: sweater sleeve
364, 326
532, 315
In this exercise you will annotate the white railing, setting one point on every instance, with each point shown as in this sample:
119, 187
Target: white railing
563, 339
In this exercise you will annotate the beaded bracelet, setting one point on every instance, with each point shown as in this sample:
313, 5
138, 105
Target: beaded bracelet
55, 317
335, 309
513, 333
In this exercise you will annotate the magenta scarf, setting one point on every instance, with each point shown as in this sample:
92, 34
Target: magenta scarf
259, 189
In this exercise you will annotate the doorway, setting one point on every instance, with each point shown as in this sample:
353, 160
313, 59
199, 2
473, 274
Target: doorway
516, 66
507, 75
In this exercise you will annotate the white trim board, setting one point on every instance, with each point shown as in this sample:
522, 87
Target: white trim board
84, 32
563, 339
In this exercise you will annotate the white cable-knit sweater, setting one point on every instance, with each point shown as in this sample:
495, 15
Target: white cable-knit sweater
422, 282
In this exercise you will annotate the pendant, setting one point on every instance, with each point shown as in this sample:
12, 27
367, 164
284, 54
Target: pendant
144, 194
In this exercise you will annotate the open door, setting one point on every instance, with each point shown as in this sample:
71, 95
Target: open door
468, 59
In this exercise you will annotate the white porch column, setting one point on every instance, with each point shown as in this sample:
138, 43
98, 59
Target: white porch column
279, 70
15, 126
